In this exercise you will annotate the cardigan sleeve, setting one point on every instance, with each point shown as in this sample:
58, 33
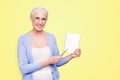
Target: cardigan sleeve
56, 53
25, 66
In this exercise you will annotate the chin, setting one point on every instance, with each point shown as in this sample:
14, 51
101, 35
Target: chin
39, 30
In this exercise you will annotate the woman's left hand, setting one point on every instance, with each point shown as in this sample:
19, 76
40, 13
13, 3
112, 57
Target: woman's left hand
76, 53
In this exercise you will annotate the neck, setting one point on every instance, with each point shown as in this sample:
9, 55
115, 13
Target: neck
37, 33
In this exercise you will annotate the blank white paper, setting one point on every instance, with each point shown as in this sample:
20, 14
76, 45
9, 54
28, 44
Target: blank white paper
71, 42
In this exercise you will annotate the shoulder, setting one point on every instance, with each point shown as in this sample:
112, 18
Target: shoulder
49, 35
23, 37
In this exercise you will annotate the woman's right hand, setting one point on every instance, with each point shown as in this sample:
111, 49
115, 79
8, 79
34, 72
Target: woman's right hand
51, 60
54, 59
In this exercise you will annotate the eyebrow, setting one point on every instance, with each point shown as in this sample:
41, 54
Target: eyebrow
37, 17
41, 18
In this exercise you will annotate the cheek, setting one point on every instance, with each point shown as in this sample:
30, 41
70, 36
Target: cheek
45, 22
34, 22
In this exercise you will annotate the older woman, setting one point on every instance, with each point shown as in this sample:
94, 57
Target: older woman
38, 55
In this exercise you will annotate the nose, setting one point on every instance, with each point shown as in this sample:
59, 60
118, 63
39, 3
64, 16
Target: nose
40, 21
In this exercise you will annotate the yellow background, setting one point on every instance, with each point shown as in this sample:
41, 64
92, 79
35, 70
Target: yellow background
97, 21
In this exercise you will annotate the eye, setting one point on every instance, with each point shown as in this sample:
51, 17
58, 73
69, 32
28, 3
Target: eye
37, 18
43, 18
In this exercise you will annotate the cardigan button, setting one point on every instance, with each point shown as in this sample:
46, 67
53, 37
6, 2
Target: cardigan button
52, 72
56, 76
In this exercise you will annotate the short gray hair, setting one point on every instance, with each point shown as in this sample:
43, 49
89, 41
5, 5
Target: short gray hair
38, 9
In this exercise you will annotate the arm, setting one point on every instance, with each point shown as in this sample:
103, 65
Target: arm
75, 54
51, 60
27, 67
24, 64
66, 59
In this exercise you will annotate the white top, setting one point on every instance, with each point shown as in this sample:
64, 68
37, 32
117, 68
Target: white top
40, 55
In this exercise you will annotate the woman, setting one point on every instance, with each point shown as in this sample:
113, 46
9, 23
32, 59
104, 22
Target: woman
38, 55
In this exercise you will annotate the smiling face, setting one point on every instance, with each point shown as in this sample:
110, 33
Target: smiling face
39, 20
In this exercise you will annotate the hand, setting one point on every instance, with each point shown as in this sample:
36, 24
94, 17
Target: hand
76, 53
54, 59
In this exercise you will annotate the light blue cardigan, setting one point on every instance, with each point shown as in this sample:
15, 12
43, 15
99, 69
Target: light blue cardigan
27, 67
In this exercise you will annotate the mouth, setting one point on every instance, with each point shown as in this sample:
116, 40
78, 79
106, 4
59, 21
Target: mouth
39, 26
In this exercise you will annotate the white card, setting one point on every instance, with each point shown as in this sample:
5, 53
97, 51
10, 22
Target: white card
71, 42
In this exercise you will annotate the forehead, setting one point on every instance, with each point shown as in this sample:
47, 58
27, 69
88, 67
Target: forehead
40, 14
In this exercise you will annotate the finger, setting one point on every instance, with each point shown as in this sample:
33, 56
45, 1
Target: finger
77, 49
77, 53
59, 57
74, 56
